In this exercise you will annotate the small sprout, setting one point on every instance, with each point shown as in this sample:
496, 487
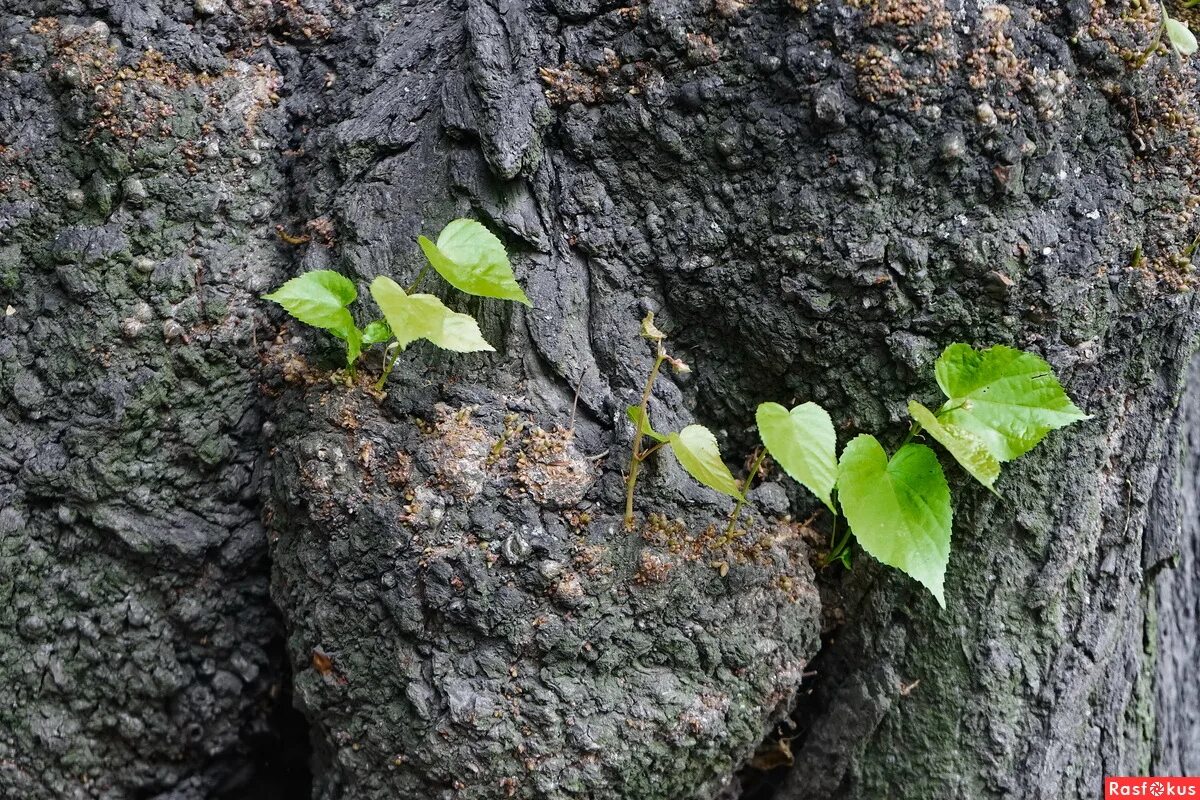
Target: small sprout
467, 255
1000, 403
694, 447
842, 556
640, 414
1178, 34
376, 332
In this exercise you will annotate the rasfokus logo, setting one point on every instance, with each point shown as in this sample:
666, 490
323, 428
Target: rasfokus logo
1153, 786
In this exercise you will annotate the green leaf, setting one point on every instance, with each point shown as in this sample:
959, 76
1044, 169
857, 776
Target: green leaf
843, 558
967, 448
376, 332
1008, 398
803, 442
472, 260
696, 449
353, 339
423, 316
320, 298
1180, 35
643, 424
899, 510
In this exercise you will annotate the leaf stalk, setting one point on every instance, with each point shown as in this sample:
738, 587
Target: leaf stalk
637, 455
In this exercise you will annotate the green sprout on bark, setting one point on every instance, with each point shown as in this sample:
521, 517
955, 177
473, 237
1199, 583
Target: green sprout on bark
695, 447
1177, 32
1000, 402
467, 255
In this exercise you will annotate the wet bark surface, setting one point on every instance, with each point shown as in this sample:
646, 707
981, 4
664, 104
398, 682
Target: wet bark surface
814, 200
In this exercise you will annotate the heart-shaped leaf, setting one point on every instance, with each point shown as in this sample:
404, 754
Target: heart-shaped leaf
899, 510
803, 443
1008, 398
696, 449
473, 260
1181, 36
320, 298
967, 448
423, 316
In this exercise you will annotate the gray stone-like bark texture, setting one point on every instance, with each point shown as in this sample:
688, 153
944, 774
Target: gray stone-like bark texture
814, 197
140, 172
1174, 550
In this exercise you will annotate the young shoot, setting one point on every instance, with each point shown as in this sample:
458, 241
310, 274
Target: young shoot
1177, 32
755, 468
640, 415
694, 447
467, 255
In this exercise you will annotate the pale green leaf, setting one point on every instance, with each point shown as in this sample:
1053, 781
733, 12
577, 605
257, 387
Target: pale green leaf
899, 510
423, 316
967, 448
320, 298
1008, 398
376, 332
802, 441
696, 449
642, 423
473, 260
650, 330
1180, 35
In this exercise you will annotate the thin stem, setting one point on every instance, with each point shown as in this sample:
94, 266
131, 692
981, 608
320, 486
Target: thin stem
634, 468
387, 370
1162, 27
637, 456
412, 287
575, 402
649, 451
741, 501
1190, 250
913, 431
836, 552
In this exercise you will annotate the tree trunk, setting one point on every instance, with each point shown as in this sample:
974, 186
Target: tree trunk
815, 198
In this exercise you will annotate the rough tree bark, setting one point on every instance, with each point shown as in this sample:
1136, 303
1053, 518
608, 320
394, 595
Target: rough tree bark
814, 197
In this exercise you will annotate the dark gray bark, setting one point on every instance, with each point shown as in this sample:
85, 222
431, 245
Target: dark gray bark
815, 200
142, 647
1174, 553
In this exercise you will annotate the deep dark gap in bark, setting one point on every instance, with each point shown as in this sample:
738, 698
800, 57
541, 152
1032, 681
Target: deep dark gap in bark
281, 747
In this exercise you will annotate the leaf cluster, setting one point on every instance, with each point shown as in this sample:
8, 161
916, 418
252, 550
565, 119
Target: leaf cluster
467, 255
1000, 402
